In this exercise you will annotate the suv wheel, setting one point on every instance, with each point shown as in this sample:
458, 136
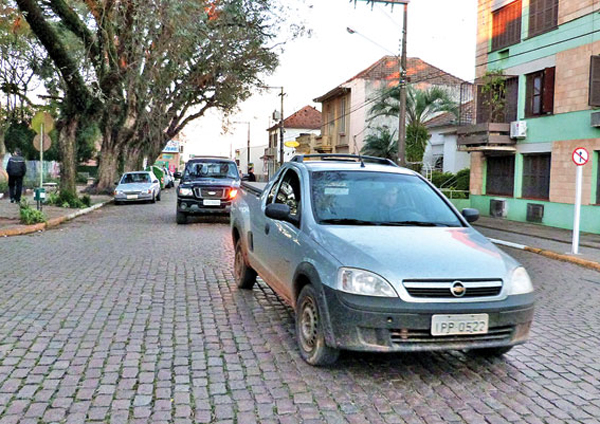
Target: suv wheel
245, 276
181, 218
309, 330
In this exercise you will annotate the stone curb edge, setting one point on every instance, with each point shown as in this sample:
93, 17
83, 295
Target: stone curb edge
51, 223
550, 254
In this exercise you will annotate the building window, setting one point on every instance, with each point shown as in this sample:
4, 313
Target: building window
594, 97
343, 115
506, 25
438, 163
539, 95
330, 120
500, 175
536, 176
543, 16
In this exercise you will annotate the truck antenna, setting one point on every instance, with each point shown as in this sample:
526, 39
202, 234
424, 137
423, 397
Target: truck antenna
362, 163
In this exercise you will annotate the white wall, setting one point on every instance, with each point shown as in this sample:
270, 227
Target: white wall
443, 142
255, 157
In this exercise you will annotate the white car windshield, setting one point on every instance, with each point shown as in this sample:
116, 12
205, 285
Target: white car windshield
135, 178
375, 198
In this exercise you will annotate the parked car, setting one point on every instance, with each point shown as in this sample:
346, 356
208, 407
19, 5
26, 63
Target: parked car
169, 179
373, 257
208, 186
137, 186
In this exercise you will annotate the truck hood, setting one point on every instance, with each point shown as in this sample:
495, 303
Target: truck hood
398, 253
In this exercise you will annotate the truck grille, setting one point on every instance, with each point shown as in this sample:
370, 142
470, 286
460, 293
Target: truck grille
442, 289
210, 193
407, 336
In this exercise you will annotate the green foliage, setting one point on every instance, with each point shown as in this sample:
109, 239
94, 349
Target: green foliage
381, 144
4, 187
92, 171
494, 90
417, 137
64, 199
29, 215
463, 179
442, 179
87, 135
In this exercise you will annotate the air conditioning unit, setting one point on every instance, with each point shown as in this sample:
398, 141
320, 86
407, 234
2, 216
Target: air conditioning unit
518, 129
535, 212
498, 208
595, 119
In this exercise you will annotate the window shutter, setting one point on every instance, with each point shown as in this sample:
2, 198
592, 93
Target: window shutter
594, 97
548, 93
512, 99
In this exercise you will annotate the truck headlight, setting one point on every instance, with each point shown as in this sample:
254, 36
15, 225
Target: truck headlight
520, 283
365, 283
185, 191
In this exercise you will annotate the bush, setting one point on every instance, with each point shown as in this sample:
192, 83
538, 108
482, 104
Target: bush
4, 187
442, 179
66, 200
463, 179
30, 216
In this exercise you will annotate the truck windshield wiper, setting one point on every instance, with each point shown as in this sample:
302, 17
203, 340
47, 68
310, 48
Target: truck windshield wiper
414, 224
346, 221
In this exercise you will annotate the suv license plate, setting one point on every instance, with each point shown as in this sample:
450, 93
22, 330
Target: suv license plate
211, 203
447, 325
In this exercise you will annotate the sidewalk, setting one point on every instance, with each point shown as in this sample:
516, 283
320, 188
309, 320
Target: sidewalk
548, 241
10, 223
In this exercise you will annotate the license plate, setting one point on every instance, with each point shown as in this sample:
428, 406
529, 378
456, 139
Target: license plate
132, 196
212, 203
448, 325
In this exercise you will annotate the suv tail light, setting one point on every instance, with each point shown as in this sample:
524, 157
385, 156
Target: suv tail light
232, 193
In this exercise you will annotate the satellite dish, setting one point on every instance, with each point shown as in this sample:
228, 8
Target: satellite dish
292, 144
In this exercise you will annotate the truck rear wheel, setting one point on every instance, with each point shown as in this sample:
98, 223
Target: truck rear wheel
181, 218
245, 276
309, 330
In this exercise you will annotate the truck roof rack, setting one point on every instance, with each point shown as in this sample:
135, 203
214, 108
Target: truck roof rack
343, 157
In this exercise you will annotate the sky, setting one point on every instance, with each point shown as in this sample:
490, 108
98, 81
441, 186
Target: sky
441, 32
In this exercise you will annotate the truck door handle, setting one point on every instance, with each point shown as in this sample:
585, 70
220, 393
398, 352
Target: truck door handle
267, 229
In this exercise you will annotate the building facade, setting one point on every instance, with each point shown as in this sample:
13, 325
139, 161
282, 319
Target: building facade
537, 67
346, 107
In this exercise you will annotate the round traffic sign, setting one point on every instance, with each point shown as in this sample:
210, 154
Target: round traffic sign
42, 120
37, 142
580, 156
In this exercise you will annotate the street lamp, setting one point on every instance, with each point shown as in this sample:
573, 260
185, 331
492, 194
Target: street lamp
280, 122
401, 159
248, 146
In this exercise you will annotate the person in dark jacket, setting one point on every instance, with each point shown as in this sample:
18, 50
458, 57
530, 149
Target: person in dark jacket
251, 176
16, 170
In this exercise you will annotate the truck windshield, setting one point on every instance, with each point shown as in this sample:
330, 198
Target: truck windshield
211, 170
376, 198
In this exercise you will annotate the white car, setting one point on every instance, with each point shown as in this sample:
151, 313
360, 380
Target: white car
136, 187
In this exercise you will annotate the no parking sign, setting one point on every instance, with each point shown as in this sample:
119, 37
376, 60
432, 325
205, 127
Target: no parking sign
580, 156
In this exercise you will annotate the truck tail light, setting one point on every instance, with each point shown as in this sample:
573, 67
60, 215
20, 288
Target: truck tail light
232, 193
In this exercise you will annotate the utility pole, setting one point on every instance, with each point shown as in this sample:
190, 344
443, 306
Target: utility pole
402, 115
248, 143
401, 158
281, 131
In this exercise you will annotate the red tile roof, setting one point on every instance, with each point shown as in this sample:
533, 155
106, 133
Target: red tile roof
306, 118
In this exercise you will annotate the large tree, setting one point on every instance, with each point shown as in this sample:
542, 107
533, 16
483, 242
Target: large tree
151, 66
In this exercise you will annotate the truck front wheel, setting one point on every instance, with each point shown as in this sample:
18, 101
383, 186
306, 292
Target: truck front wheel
245, 276
309, 330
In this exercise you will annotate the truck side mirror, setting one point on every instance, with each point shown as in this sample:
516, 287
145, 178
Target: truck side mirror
280, 212
470, 214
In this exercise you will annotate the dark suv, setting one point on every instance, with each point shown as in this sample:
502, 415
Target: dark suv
208, 185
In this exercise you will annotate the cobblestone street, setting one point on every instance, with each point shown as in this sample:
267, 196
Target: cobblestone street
123, 316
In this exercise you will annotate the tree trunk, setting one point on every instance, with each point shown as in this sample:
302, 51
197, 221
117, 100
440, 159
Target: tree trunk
107, 170
134, 160
68, 149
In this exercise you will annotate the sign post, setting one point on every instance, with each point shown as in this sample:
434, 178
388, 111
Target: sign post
42, 123
580, 157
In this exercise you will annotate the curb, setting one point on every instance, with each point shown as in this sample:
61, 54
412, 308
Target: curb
51, 223
550, 254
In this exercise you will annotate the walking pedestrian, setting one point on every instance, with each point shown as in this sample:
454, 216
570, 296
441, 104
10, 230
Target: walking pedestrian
16, 170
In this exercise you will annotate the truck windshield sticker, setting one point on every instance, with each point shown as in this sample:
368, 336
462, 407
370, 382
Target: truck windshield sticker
336, 191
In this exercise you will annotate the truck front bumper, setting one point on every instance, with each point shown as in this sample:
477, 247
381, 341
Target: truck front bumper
365, 323
193, 206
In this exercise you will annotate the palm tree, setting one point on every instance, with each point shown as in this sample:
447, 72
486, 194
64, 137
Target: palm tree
421, 105
381, 144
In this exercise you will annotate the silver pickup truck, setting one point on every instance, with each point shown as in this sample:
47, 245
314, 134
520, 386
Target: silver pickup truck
372, 257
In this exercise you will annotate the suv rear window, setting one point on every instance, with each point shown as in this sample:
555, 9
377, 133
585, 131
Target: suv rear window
211, 169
